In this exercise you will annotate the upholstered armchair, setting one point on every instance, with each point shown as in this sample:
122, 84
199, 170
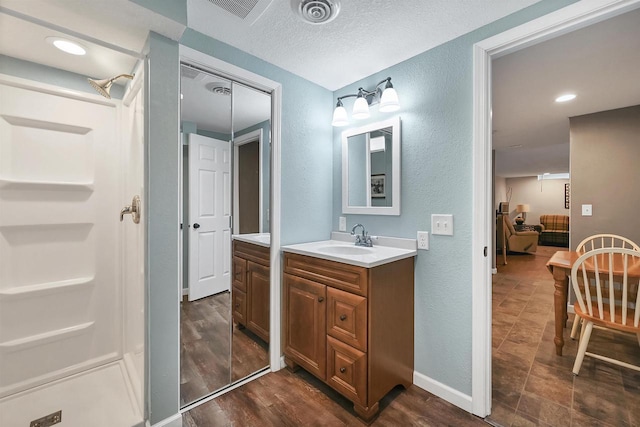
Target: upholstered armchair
520, 241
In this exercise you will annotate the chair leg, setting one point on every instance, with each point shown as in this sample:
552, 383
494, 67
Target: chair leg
574, 329
584, 341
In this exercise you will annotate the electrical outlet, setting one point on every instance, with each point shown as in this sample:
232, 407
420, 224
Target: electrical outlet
342, 223
442, 224
423, 240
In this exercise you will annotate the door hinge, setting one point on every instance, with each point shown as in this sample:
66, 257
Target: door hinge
485, 251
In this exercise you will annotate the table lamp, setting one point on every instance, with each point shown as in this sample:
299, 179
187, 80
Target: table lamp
523, 209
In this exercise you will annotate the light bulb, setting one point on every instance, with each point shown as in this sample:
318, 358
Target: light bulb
389, 100
360, 109
340, 116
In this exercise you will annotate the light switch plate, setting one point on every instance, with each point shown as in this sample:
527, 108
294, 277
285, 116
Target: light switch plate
587, 210
423, 240
442, 224
342, 226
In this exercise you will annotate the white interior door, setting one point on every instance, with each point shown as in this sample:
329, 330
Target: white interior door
210, 214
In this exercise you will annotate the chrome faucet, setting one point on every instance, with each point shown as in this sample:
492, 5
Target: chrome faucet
364, 239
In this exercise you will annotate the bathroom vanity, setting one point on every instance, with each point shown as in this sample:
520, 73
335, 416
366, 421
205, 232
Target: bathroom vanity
349, 320
250, 285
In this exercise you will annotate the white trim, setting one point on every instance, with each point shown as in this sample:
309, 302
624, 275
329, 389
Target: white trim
237, 142
570, 18
172, 421
236, 73
37, 86
443, 391
225, 390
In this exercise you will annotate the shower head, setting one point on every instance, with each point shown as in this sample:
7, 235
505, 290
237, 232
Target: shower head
104, 86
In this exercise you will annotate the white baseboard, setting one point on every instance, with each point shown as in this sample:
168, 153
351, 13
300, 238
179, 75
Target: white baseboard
173, 421
445, 392
185, 291
494, 271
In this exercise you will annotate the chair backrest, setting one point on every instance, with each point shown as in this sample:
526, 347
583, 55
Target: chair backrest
508, 227
555, 222
606, 282
598, 241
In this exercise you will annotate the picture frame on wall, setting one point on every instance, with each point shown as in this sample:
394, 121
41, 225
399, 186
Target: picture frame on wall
377, 185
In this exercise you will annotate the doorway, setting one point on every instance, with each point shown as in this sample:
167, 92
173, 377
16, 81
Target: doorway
565, 20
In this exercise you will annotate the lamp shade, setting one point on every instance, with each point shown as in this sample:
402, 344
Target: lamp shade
522, 208
340, 117
389, 100
360, 109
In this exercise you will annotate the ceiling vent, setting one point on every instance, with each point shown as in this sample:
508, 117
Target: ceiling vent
219, 88
317, 12
247, 10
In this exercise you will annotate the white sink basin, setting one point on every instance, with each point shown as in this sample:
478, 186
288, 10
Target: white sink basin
345, 250
342, 249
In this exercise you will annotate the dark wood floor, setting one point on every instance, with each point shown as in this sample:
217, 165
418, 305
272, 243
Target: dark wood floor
298, 399
209, 358
533, 386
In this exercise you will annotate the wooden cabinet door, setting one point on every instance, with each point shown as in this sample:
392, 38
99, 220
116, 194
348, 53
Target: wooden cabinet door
239, 305
258, 300
305, 324
239, 273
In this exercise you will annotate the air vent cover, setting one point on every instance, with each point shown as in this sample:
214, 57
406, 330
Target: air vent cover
247, 10
317, 11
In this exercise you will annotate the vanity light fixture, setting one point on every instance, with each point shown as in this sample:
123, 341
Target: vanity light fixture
67, 46
388, 100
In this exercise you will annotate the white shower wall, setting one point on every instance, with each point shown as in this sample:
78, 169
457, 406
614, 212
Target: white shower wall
71, 275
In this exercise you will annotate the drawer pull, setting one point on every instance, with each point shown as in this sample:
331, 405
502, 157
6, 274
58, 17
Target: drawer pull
320, 299
343, 370
343, 317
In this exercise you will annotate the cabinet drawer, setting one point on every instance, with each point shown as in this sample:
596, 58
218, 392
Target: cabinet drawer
240, 273
239, 301
335, 274
347, 318
347, 370
256, 253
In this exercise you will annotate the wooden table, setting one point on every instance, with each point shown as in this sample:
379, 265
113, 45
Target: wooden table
560, 265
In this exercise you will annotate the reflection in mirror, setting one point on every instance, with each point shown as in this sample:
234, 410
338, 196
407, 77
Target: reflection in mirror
371, 169
225, 133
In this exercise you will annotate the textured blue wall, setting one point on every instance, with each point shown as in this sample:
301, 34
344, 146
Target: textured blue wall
435, 91
307, 142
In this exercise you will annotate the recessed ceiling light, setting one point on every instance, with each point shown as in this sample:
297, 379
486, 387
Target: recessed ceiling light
67, 45
566, 97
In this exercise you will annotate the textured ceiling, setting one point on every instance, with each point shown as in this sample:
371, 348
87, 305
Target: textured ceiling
599, 63
366, 37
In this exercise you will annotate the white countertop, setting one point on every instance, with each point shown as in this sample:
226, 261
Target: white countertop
260, 239
341, 248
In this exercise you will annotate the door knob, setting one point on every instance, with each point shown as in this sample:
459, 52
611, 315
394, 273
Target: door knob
196, 225
133, 210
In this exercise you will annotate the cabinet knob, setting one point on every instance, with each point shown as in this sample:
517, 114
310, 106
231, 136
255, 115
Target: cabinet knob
237, 305
320, 299
343, 317
343, 370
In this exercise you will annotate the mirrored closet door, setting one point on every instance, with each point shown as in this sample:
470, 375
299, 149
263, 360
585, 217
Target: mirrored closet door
224, 327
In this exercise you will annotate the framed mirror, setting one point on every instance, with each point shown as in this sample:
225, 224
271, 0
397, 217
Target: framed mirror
371, 169
224, 324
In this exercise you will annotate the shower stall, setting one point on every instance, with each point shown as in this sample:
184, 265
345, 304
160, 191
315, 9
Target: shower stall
72, 296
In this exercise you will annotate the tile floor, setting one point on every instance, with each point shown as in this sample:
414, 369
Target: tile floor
531, 385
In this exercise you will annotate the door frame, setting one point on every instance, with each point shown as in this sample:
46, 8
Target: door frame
565, 20
246, 138
233, 72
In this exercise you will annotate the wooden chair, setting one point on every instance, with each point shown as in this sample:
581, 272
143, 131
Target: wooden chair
606, 282
601, 241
